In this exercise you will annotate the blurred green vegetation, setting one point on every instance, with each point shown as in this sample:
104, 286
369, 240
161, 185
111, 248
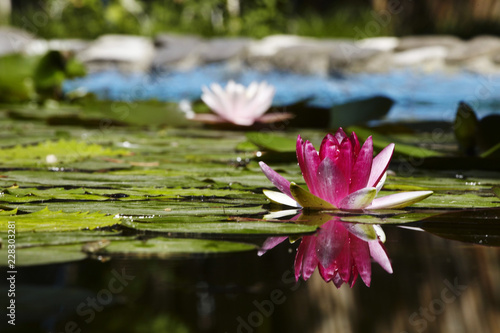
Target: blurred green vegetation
36, 78
257, 18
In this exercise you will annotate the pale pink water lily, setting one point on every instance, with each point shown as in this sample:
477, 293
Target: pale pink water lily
340, 251
239, 105
342, 175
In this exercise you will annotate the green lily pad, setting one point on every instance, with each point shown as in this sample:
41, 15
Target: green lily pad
218, 228
30, 239
496, 191
161, 247
381, 141
64, 151
471, 226
43, 255
272, 142
46, 220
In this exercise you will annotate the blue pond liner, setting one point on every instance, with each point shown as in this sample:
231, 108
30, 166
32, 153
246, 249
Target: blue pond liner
418, 96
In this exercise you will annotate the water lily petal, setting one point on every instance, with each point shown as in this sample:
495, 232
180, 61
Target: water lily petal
337, 280
381, 182
270, 243
359, 199
333, 186
330, 240
362, 167
366, 232
309, 261
340, 135
329, 148
257, 104
380, 164
298, 260
378, 253
282, 213
355, 144
399, 200
380, 232
345, 161
362, 260
311, 163
279, 181
309, 200
344, 262
281, 198
212, 101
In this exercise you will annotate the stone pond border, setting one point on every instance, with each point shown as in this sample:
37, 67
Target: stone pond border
304, 55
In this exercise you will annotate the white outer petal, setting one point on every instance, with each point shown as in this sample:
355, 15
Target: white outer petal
381, 182
281, 198
358, 199
399, 200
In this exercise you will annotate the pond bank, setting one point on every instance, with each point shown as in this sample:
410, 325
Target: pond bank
297, 54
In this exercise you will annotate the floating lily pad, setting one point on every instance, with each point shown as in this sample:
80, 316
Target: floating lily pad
167, 247
219, 228
63, 151
46, 220
471, 226
381, 141
43, 255
272, 142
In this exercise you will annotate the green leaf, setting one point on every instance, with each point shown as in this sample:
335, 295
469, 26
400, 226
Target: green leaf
496, 191
471, 226
16, 84
359, 112
272, 142
46, 220
381, 141
63, 150
43, 255
161, 247
218, 228
465, 128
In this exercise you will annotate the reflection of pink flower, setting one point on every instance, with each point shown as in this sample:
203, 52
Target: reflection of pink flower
339, 255
239, 105
339, 252
342, 175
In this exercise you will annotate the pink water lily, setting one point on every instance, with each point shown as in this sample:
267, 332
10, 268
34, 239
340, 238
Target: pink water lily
340, 251
239, 105
342, 175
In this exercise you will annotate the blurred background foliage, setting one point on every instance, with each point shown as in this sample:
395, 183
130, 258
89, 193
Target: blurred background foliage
255, 18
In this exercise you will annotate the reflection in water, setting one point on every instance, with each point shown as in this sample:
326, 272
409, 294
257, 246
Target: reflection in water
341, 251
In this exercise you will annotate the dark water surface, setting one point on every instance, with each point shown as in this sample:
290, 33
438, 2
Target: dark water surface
438, 285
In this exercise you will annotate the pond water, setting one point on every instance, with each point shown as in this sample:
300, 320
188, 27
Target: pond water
418, 95
438, 285
147, 228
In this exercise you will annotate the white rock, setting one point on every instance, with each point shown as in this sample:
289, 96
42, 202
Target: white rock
379, 43
13, 40
420, 55
270, 45
128, 53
